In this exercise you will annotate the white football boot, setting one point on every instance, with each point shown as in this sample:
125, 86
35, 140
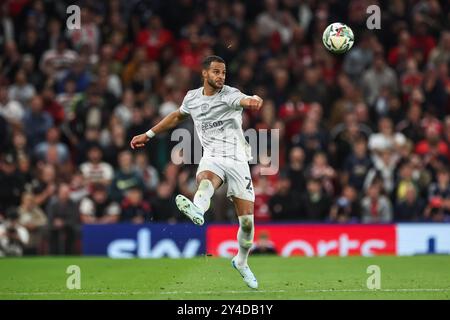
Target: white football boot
189, 209
246, 273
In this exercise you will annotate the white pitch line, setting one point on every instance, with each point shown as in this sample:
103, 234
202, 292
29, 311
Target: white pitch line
221, 292
136, 292
228, 291
379, 290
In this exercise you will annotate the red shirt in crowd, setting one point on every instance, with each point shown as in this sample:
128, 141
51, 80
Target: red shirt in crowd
423, 148
154, 41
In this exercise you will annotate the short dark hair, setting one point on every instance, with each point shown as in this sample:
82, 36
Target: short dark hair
209, 59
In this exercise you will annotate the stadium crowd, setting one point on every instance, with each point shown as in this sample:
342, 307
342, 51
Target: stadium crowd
364, 136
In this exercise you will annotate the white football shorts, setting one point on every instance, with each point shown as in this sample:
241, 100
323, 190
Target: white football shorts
235, 173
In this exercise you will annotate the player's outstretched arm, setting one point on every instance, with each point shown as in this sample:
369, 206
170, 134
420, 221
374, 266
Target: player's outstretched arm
167, 123
252, 103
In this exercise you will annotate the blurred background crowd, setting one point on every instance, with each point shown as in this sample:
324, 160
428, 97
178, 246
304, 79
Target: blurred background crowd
364, 137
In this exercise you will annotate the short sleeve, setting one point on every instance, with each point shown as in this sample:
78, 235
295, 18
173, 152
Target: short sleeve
184, 107
234, 98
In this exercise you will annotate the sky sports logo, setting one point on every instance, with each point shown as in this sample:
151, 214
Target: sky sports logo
143, 241
187, 241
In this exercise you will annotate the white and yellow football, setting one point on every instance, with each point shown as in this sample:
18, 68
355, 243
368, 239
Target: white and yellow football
338, 38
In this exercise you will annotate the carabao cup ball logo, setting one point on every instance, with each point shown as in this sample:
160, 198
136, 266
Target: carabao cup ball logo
338, 38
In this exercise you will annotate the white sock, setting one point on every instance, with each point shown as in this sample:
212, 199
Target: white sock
245, 238
202, 198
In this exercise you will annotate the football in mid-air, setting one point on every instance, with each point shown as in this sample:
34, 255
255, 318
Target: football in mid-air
338, 38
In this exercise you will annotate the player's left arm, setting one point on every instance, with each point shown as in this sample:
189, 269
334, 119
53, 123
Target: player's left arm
253, 103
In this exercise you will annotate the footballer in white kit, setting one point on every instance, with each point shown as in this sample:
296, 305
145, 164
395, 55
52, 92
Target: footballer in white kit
216, 110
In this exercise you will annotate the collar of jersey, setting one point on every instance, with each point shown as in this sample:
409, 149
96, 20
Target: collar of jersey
209, 97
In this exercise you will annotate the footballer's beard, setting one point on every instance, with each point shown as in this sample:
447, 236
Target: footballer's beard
216, 85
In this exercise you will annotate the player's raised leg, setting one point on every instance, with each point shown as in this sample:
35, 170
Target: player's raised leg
207, 182
244, 209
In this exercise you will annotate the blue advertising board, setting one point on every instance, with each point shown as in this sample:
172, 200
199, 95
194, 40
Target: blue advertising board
144, 241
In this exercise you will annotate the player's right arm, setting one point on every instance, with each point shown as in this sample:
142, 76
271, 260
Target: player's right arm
167, 123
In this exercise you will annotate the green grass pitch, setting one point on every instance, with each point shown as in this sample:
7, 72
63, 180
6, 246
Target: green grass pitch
418, 277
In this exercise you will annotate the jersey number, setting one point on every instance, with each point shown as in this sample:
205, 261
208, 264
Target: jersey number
249, 185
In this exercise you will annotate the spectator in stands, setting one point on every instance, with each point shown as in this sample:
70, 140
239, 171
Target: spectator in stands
36, 122
11, 110
134, 208
91, 137
441, 53
117, 142
124, 110
379, 76
386, 137
44, 186
447, 130
347, 207
125, 177
148, 173
296, 170
360, 57
345, 135
11, 182
21, 91
67, 99
98, 207
154, 37
163, 204
311, 139
438, 208
411, 207
63, 222
11, 60
20, 146
79, 73
55, 61
41, 150
376, 208
405, 181
24, 165
13, 237
357, 165
384, 170
284, 204
321, 170
312, 89
34, 220
433, 146
51, 106
33, 75
315, 204
89, 35
411, 126
95, 170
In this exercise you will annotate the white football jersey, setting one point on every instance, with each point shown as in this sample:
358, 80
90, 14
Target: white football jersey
218, 122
